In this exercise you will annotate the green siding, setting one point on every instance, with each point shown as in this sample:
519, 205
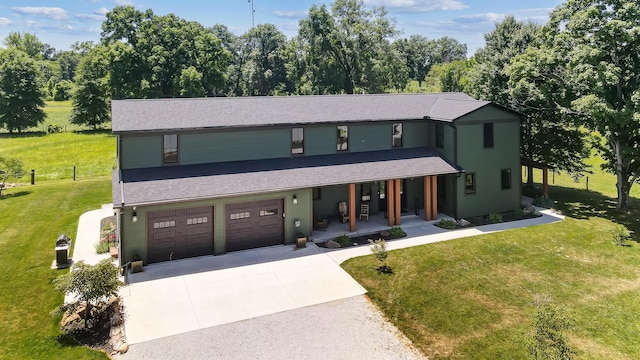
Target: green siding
370, 137
320, 140
234, 146
487, 165
415, 134
140, 151
134, 235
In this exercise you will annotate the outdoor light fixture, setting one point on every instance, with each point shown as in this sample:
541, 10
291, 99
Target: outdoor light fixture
295, 200
134, 215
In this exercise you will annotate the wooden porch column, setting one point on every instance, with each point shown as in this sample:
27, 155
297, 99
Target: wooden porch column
545, 181
434, 198
352, 207
427, 198
391, 218
398, 210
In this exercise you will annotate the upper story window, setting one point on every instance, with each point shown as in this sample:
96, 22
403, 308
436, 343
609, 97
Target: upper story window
505, 176
297, 140
170, 149
439, 135
488, 135
397, 135
343, 138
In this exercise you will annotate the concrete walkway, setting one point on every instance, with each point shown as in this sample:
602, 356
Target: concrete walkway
181, 296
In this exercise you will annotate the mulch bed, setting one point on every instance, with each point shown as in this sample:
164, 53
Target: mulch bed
364, 239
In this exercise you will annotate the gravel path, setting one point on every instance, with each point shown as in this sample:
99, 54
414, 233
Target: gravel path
344, 329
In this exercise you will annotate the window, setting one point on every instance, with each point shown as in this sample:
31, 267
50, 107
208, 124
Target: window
470, 183
316, 193
397, 135
365, 192
343, 138
297, 140
170, 149
439, 135
269, 212
505, 176
164, 224
198, 220
488, 135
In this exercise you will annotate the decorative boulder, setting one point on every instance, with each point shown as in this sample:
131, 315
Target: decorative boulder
462, 223
332, 244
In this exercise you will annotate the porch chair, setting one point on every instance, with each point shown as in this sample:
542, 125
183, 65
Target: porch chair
342, 209
364, 211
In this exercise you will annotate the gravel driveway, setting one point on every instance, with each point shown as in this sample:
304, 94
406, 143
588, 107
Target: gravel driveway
344, 329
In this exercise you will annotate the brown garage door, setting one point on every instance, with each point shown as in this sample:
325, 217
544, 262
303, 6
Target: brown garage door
254, 224
180, 233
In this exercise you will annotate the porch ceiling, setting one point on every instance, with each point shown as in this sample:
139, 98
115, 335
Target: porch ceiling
207, 181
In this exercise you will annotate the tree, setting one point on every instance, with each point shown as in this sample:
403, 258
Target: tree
263, 68
28, 43
91, 104
21, 103
90, 286
10, 168
451, 76
62, 90
548, 135
148, 53
191, 83
341, 46
601, 42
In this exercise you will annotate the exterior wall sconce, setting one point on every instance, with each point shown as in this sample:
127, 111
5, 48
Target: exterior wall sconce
134, 215
295, 200
297, 223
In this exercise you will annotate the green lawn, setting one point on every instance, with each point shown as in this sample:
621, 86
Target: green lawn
31, 219
471, 298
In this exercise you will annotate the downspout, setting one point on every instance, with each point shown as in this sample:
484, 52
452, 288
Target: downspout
121, 220
455, 161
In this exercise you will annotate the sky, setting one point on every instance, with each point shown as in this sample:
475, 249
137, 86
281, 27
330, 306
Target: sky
60, 23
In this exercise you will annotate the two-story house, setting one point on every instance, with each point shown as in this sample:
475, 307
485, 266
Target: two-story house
211, 175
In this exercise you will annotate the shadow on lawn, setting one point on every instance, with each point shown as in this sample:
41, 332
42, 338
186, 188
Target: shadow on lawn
13, 195
583, 204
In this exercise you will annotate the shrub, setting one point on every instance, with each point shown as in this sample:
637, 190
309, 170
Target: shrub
102, 247
494, 218
397, 232
518, 213
379, 250
620, 235
447, 224
343, 240
547, 337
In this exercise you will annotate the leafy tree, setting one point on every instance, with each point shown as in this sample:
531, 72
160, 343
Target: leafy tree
548, 135
68, 62
90, 286
600, 42
10, 168
263, 67
341, 46
21, 104
91, 104
149, 52
191, 83
451, 76
28, 43
62, 90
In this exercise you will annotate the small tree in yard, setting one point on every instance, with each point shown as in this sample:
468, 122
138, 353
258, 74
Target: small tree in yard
379, 249
90, 285
9, 168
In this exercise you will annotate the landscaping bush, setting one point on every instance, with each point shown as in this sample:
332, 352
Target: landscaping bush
102, 247
494, 218
620, 235
447, 224
548, 340
379, 249
397, 232
343, 240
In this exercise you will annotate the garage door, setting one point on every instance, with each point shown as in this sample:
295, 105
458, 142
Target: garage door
180, 233
254, 224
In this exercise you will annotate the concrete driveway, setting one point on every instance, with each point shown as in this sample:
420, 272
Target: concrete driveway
185, 295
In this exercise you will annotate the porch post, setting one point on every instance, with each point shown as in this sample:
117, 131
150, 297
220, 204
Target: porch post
545, 181
397, 200
434, 198
352, 207
390, 203
427, 198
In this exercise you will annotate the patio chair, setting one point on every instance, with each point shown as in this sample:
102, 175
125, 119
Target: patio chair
364, 211
342, 209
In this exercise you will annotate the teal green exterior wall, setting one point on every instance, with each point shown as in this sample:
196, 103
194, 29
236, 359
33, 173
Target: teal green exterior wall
415, 134
320, 140
140, 151
330, 197
487, 163
199, 148
134, 235
370, 137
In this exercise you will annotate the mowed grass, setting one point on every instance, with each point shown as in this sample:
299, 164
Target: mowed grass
31, 219
472, 298
53, 156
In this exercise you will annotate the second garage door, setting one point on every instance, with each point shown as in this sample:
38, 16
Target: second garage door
180, 233
254, 224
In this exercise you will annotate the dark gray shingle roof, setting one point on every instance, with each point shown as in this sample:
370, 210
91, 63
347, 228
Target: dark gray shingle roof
210, 113
208, 181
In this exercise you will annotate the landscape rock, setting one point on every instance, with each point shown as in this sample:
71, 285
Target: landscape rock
385, 233
462, 223
332, 244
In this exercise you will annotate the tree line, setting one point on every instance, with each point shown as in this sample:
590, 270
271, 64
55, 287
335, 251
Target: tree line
573, 77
